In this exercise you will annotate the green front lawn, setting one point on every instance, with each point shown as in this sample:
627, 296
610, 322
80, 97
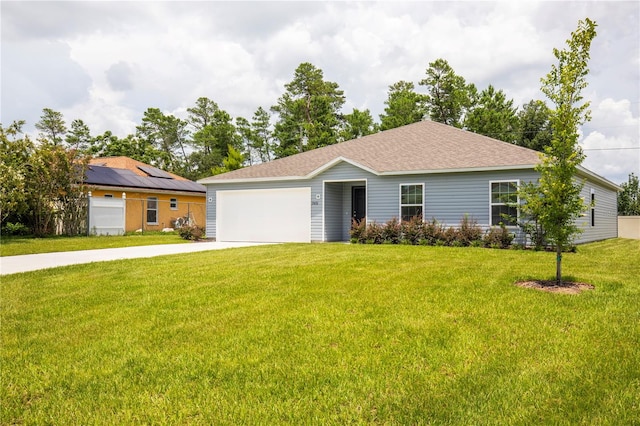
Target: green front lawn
13, 246
325, 334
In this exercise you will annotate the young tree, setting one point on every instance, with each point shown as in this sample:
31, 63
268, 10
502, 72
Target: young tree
534, 126
557, 185
629, 197
403, 106
449, 95
308, 112
493, 115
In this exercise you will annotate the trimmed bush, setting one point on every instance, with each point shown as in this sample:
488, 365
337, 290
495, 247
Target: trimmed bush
469, 231
413, 231
498, 237
417, 232
392, 232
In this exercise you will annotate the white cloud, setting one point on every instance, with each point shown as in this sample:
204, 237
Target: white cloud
611, 142
108, 62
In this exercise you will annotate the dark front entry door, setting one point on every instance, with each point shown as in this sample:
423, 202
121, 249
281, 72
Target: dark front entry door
358, 202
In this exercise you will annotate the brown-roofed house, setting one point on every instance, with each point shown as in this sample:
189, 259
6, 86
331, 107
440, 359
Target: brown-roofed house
153, 198
425, 169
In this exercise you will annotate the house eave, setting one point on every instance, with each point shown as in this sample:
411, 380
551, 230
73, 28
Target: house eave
93, 187
458, 170
310, 175
599, 179
338, 160
335, 161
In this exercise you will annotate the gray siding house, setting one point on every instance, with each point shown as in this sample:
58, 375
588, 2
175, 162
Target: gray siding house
423, 169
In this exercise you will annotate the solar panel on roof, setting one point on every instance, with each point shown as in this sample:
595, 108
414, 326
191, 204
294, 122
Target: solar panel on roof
98, 175
155, 172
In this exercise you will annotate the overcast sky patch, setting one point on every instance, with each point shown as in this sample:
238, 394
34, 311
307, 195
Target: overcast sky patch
107, 62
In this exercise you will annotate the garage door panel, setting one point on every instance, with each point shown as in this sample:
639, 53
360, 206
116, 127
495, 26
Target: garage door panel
265, 215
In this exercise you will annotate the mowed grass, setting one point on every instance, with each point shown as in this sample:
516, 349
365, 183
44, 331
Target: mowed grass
13, 246
325, 334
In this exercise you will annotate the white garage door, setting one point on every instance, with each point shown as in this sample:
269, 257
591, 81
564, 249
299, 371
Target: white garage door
265, 215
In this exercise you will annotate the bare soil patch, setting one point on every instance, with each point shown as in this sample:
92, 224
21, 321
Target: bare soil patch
567, 287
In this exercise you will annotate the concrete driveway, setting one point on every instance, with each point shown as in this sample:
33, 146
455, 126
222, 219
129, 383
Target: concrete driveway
32, 262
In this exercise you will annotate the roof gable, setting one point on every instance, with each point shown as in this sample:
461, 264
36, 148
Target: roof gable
423, 147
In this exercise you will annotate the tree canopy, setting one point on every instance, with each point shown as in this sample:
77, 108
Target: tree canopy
308, 112
493, 115
449, 96
309, 115
403, 106
629, 197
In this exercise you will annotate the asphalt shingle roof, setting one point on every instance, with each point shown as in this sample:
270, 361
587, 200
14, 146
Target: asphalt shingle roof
425, 146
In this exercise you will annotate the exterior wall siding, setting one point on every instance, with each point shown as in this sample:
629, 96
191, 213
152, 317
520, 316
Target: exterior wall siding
606, 214
136, 205
333, 196
448, 197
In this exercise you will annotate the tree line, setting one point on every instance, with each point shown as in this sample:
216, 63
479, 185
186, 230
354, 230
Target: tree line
42, 178
308, 115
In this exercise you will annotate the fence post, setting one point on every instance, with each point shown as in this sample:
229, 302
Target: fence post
124, 213
88, 213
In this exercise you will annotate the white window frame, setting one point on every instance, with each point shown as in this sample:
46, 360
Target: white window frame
492, 204
173, 203
400, 205
149, 209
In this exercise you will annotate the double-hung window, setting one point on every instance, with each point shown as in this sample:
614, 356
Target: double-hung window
411, 201
504, 202
152, 210
173, 204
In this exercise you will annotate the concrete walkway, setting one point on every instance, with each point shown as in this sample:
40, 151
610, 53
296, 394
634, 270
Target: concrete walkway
32, 262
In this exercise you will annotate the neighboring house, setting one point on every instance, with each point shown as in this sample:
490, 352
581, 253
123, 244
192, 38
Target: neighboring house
423, 169
155, 199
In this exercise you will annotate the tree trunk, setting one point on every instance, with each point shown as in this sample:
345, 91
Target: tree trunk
558, 264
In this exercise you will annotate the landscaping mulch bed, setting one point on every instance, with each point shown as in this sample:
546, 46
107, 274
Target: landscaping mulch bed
566, 287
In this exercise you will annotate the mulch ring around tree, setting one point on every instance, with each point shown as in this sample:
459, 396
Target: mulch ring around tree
566, 287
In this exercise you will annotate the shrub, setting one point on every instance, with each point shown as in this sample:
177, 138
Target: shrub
469, 231
392, 231
191, 232
417, 232
374, 233
413, 231
15, 229
498, 237
358, 231
449, 235
432, 232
